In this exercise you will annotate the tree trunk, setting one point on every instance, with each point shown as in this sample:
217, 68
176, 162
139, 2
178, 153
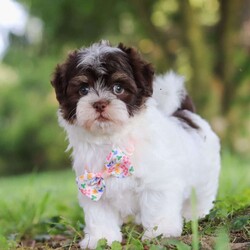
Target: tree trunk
193, 36
226, 66
144, 10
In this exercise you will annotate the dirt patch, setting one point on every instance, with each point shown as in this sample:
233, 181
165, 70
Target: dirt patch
62, 242
208, 242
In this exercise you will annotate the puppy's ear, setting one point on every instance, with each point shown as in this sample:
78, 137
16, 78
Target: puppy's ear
58, 82
62, 74
143, 71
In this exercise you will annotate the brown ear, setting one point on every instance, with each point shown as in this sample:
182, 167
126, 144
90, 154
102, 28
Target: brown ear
56, 77
58, 82
142, 70
61, 75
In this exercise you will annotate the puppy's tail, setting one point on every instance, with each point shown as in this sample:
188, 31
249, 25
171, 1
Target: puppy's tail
170, 93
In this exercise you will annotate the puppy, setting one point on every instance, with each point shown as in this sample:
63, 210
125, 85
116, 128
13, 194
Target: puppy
138, 148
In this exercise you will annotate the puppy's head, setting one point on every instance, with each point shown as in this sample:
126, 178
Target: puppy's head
99, 88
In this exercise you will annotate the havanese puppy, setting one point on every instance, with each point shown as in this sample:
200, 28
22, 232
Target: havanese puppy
138, 147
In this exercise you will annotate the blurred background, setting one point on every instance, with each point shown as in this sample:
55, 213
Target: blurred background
206, 41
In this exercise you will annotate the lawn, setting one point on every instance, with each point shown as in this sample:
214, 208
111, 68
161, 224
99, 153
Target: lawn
40, 211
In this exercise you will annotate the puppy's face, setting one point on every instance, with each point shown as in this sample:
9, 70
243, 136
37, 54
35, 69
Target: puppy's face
99, 88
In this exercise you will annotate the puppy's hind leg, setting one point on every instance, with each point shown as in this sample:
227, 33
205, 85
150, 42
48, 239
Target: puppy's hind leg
161, 213
200, 207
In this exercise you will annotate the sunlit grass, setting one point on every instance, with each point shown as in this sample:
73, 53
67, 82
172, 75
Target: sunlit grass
28, 200
40, 204
234, 181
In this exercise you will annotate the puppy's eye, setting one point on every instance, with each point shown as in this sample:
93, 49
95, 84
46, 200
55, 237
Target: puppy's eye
84, 89
118, 89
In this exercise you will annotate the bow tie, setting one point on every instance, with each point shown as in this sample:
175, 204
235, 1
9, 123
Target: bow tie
117, 164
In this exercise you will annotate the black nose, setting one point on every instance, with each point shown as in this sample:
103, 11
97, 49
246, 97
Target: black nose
100, 106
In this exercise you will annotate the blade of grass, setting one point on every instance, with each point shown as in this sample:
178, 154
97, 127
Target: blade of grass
222, 240
194, 223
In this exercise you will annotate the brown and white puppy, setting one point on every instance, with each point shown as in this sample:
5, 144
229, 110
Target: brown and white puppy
108, 99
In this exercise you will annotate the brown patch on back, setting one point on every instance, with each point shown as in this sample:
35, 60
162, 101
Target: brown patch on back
187, 104
181, 115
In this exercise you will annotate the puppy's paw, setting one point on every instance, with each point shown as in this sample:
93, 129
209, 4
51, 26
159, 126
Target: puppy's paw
165, 229
90, 241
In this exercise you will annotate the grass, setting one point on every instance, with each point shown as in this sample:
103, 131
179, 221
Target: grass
40, 210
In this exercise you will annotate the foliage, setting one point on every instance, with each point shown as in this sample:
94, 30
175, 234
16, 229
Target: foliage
48, 213
207, 41
30, 138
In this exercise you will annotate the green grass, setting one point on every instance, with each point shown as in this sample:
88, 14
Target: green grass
41, 206
38, 204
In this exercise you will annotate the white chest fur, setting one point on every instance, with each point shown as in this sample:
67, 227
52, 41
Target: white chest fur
91, 156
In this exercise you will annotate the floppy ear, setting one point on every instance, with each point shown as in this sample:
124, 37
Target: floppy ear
58, 82
61, 75
143, 71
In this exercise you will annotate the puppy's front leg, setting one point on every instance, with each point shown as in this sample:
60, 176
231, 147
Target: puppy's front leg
161, 213
102, 221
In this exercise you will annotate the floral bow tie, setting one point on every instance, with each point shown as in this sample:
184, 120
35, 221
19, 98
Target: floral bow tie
117, 164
